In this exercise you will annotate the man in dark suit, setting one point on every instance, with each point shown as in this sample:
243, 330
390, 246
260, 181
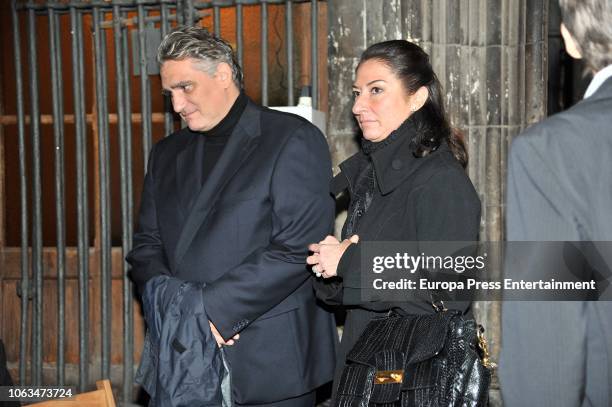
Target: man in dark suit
560, 189
232, 201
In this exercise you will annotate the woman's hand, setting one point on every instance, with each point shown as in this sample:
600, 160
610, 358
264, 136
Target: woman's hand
327, 254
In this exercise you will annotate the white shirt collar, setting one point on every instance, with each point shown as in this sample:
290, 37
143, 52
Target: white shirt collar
599, 78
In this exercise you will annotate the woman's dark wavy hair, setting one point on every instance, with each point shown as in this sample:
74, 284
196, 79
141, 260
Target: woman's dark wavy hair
411, 65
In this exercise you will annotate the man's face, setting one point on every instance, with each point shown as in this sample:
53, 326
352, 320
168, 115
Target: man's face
201, 99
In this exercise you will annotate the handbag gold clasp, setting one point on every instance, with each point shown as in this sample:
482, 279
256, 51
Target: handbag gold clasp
389, 376
482, 344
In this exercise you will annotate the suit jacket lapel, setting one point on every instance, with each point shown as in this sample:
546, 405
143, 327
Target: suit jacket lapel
239, 146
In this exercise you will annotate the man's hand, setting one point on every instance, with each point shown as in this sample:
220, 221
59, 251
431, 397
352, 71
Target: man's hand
219, 338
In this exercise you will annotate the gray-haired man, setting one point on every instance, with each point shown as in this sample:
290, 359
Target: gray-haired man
233, 201
560, 189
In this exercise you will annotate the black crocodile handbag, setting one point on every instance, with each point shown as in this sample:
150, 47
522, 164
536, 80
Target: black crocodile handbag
428, 360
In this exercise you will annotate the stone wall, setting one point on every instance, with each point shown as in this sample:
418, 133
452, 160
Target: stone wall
490, 57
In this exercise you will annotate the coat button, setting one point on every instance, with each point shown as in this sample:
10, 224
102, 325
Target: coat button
396, 164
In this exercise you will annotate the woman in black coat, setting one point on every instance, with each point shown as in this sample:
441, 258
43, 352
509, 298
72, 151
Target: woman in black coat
407, 183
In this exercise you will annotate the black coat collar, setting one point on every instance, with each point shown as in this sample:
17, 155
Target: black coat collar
392, 164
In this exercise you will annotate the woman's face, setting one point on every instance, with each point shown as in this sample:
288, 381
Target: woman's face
381, 104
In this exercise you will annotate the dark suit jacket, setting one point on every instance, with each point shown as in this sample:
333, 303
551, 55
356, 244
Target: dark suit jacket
245, 234
560, 189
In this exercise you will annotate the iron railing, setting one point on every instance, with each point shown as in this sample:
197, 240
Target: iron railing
111, 15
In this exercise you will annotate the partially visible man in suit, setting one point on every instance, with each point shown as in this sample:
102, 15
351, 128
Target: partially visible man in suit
232, 201
560, 189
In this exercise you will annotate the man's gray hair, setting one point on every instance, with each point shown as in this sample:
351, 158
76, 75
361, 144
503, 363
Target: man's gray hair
590, 23
197, 43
